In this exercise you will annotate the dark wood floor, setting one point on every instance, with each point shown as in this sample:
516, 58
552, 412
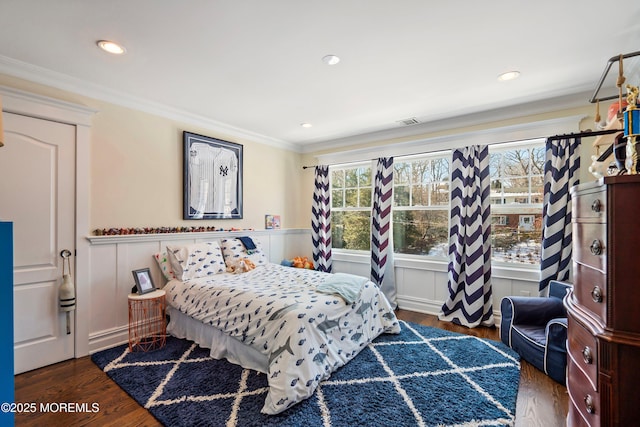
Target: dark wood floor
541, 401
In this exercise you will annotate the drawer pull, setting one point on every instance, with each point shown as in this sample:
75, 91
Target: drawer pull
596, 205
596, 247
587, 356
596, 294
589, 403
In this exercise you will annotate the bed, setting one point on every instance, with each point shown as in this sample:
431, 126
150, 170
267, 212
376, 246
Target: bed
295, 325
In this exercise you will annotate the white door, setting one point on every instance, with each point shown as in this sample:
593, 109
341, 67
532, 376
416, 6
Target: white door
37, 193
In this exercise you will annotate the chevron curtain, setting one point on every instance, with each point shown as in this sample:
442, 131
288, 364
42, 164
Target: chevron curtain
381, 231
321, 220
561, 172
469, 301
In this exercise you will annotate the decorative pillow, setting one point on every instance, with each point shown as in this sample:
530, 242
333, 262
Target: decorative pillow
165, 266
195, 261
233, 250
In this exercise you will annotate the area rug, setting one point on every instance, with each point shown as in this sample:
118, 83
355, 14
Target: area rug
422, 377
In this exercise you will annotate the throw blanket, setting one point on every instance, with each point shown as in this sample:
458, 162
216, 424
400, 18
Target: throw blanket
306, 335
348, 286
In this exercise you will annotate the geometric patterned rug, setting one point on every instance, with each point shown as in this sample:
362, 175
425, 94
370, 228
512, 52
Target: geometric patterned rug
421, 377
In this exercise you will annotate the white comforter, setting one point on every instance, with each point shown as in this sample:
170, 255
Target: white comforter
305, 334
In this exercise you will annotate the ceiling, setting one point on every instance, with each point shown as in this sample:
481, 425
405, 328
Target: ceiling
254, 68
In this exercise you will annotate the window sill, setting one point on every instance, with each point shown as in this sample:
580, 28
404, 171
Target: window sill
529, 273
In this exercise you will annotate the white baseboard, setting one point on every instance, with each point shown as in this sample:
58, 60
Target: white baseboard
432, 307
418, 304
109, 338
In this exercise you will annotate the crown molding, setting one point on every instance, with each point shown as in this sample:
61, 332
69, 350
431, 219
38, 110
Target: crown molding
519, 132
574, 100
44, 76
27, 103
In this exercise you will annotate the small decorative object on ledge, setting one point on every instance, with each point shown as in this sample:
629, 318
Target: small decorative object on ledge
272, 222
162, 230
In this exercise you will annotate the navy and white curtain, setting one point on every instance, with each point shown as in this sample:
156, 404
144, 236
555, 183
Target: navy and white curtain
469, 301
382, 272
321, 220
561, 172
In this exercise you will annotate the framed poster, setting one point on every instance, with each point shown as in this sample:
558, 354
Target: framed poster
212, 178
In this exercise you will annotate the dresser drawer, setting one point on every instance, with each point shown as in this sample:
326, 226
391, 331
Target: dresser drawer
590, 290
584, 399
591, 206
590, 245
583, 351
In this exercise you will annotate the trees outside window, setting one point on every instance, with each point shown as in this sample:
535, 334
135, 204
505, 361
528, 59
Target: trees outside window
351, 196
421, 199
421, 205
517, 174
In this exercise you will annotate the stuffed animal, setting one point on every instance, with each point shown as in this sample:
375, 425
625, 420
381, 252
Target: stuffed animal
241, 266
302, 262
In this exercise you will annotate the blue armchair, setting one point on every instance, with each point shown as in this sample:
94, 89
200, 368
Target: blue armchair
536, 329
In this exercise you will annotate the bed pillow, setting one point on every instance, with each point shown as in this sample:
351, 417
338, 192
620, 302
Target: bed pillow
165, 266
233, 250
196, 261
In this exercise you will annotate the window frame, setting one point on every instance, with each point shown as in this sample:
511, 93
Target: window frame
440, 154
497, 147
524, 209
344, 208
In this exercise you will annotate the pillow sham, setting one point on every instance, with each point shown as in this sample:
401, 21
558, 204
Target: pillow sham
165, 266
196, 260
233, 250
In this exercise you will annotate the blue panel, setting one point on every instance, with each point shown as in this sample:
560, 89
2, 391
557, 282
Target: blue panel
6, 320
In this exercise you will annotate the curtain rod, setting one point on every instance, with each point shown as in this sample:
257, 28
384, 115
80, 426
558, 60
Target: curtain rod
583, 134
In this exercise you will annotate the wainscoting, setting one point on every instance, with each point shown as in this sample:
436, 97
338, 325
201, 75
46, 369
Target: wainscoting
422, 284
113, 258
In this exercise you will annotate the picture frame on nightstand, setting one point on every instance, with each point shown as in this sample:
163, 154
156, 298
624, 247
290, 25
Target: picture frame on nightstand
144, 282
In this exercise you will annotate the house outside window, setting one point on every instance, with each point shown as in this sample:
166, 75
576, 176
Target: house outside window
351, 198
517, 180
421, 205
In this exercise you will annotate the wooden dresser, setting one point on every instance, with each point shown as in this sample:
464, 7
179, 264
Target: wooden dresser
603, 366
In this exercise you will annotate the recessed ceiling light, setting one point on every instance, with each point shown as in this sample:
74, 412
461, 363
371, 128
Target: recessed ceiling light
330, 59
306, 125
111, 47
509, 75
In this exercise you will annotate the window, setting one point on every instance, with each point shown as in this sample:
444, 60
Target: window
421, 197
421, 205
517, 173
351, 198
499, 220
